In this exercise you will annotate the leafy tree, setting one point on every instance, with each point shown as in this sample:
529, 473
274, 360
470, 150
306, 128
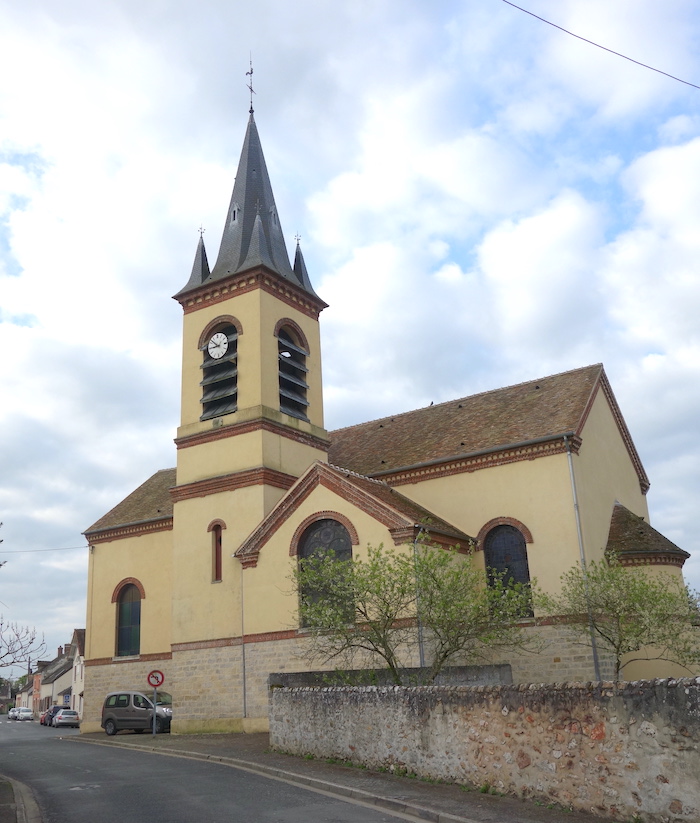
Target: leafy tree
629, 612
362, 609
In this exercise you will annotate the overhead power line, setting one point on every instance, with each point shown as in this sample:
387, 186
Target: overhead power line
33, 551
597, 45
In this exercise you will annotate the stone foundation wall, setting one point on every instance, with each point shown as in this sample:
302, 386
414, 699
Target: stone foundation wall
207, 683
619, 751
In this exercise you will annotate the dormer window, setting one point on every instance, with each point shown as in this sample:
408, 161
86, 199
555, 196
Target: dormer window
292, 373
220, 372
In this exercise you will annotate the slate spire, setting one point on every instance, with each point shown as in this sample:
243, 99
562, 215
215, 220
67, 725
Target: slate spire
252, 234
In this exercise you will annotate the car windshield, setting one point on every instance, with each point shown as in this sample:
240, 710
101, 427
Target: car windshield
164, 699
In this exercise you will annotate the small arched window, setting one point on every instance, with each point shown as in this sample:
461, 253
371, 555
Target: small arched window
220, 372
292, 373
321, 538
129, 622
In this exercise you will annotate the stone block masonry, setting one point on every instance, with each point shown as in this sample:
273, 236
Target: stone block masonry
622, 751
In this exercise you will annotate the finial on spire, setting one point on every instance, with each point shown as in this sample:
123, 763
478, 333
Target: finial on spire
250, 84
201, 231
297, 237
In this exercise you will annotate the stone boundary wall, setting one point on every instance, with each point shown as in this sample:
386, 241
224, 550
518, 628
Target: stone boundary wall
622, 751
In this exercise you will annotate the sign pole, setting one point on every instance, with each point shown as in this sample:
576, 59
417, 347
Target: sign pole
155, 678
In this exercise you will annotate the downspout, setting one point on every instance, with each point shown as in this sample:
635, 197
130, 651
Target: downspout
245, 698
421, 648
582, 554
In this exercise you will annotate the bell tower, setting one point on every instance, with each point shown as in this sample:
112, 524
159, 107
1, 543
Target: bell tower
251, 406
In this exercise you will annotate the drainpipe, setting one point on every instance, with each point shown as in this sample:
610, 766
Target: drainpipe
421, 649
245, 700
582, 554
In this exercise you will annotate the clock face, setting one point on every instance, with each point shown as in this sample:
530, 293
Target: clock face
218, 345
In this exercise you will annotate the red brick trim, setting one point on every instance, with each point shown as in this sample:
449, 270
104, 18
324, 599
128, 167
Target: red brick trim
231, 482
128, 581
264, 637
132, 530
314, 518
214, 523
219, 321
234, 429
459, 465
210, 294
407, 534
502, 521
107, 661
296, 328
651, 559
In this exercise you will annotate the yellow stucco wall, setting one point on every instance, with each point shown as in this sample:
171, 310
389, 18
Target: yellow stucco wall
535, 492
604, 474
147, 558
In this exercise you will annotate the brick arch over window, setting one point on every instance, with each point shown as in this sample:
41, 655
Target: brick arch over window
286, 322
128, 581
502, 521
222, 320
301, 528
214, 523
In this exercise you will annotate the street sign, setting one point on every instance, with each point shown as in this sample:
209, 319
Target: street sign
155, 678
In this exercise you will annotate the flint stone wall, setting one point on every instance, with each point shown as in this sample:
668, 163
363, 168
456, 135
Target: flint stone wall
617, 750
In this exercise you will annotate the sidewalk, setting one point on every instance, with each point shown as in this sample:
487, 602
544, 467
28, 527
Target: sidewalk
426, 801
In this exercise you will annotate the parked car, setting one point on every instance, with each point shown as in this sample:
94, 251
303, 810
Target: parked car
134, 710
12, 714
24, 713
66, 717
49, 715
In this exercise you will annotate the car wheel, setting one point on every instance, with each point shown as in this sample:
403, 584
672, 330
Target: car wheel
159, 725
110, 727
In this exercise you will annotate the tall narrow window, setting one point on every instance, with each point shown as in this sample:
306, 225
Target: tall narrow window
129, 622
220, 372
292, 374
216, 553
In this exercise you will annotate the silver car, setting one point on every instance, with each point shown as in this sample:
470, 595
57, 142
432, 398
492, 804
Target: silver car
24, 713
66, 717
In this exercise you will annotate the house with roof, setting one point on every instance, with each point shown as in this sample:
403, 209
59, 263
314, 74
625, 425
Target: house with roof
190, 573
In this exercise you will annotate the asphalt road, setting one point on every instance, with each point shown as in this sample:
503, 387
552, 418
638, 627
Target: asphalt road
83, 784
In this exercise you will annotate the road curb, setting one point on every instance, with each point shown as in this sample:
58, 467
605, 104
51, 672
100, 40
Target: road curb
26, 808
312, 783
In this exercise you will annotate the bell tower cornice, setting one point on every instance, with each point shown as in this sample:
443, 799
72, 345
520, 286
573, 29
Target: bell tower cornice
259, 277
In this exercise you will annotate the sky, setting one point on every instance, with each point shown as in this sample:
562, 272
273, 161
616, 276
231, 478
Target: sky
482, 199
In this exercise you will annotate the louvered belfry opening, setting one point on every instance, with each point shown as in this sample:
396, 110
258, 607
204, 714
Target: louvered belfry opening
292, 375
220, 376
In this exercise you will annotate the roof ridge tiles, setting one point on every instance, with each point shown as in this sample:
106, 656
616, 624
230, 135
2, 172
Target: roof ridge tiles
458, 400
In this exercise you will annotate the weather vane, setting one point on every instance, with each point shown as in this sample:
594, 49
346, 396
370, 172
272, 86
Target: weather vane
250, 85
201, 231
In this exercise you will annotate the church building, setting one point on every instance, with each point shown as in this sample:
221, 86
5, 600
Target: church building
190, 574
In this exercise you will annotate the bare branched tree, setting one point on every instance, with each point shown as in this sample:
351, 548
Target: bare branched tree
19, 644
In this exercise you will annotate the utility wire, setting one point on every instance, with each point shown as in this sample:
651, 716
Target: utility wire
597, 45
34, 551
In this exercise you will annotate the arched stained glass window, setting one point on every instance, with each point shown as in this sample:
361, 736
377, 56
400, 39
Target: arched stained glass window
506, 554
129, 622
321, 538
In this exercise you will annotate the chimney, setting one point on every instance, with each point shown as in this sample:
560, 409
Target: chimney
59, 653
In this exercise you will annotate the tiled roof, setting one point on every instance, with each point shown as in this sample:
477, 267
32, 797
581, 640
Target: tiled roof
635, 541
516, 414
151, 501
